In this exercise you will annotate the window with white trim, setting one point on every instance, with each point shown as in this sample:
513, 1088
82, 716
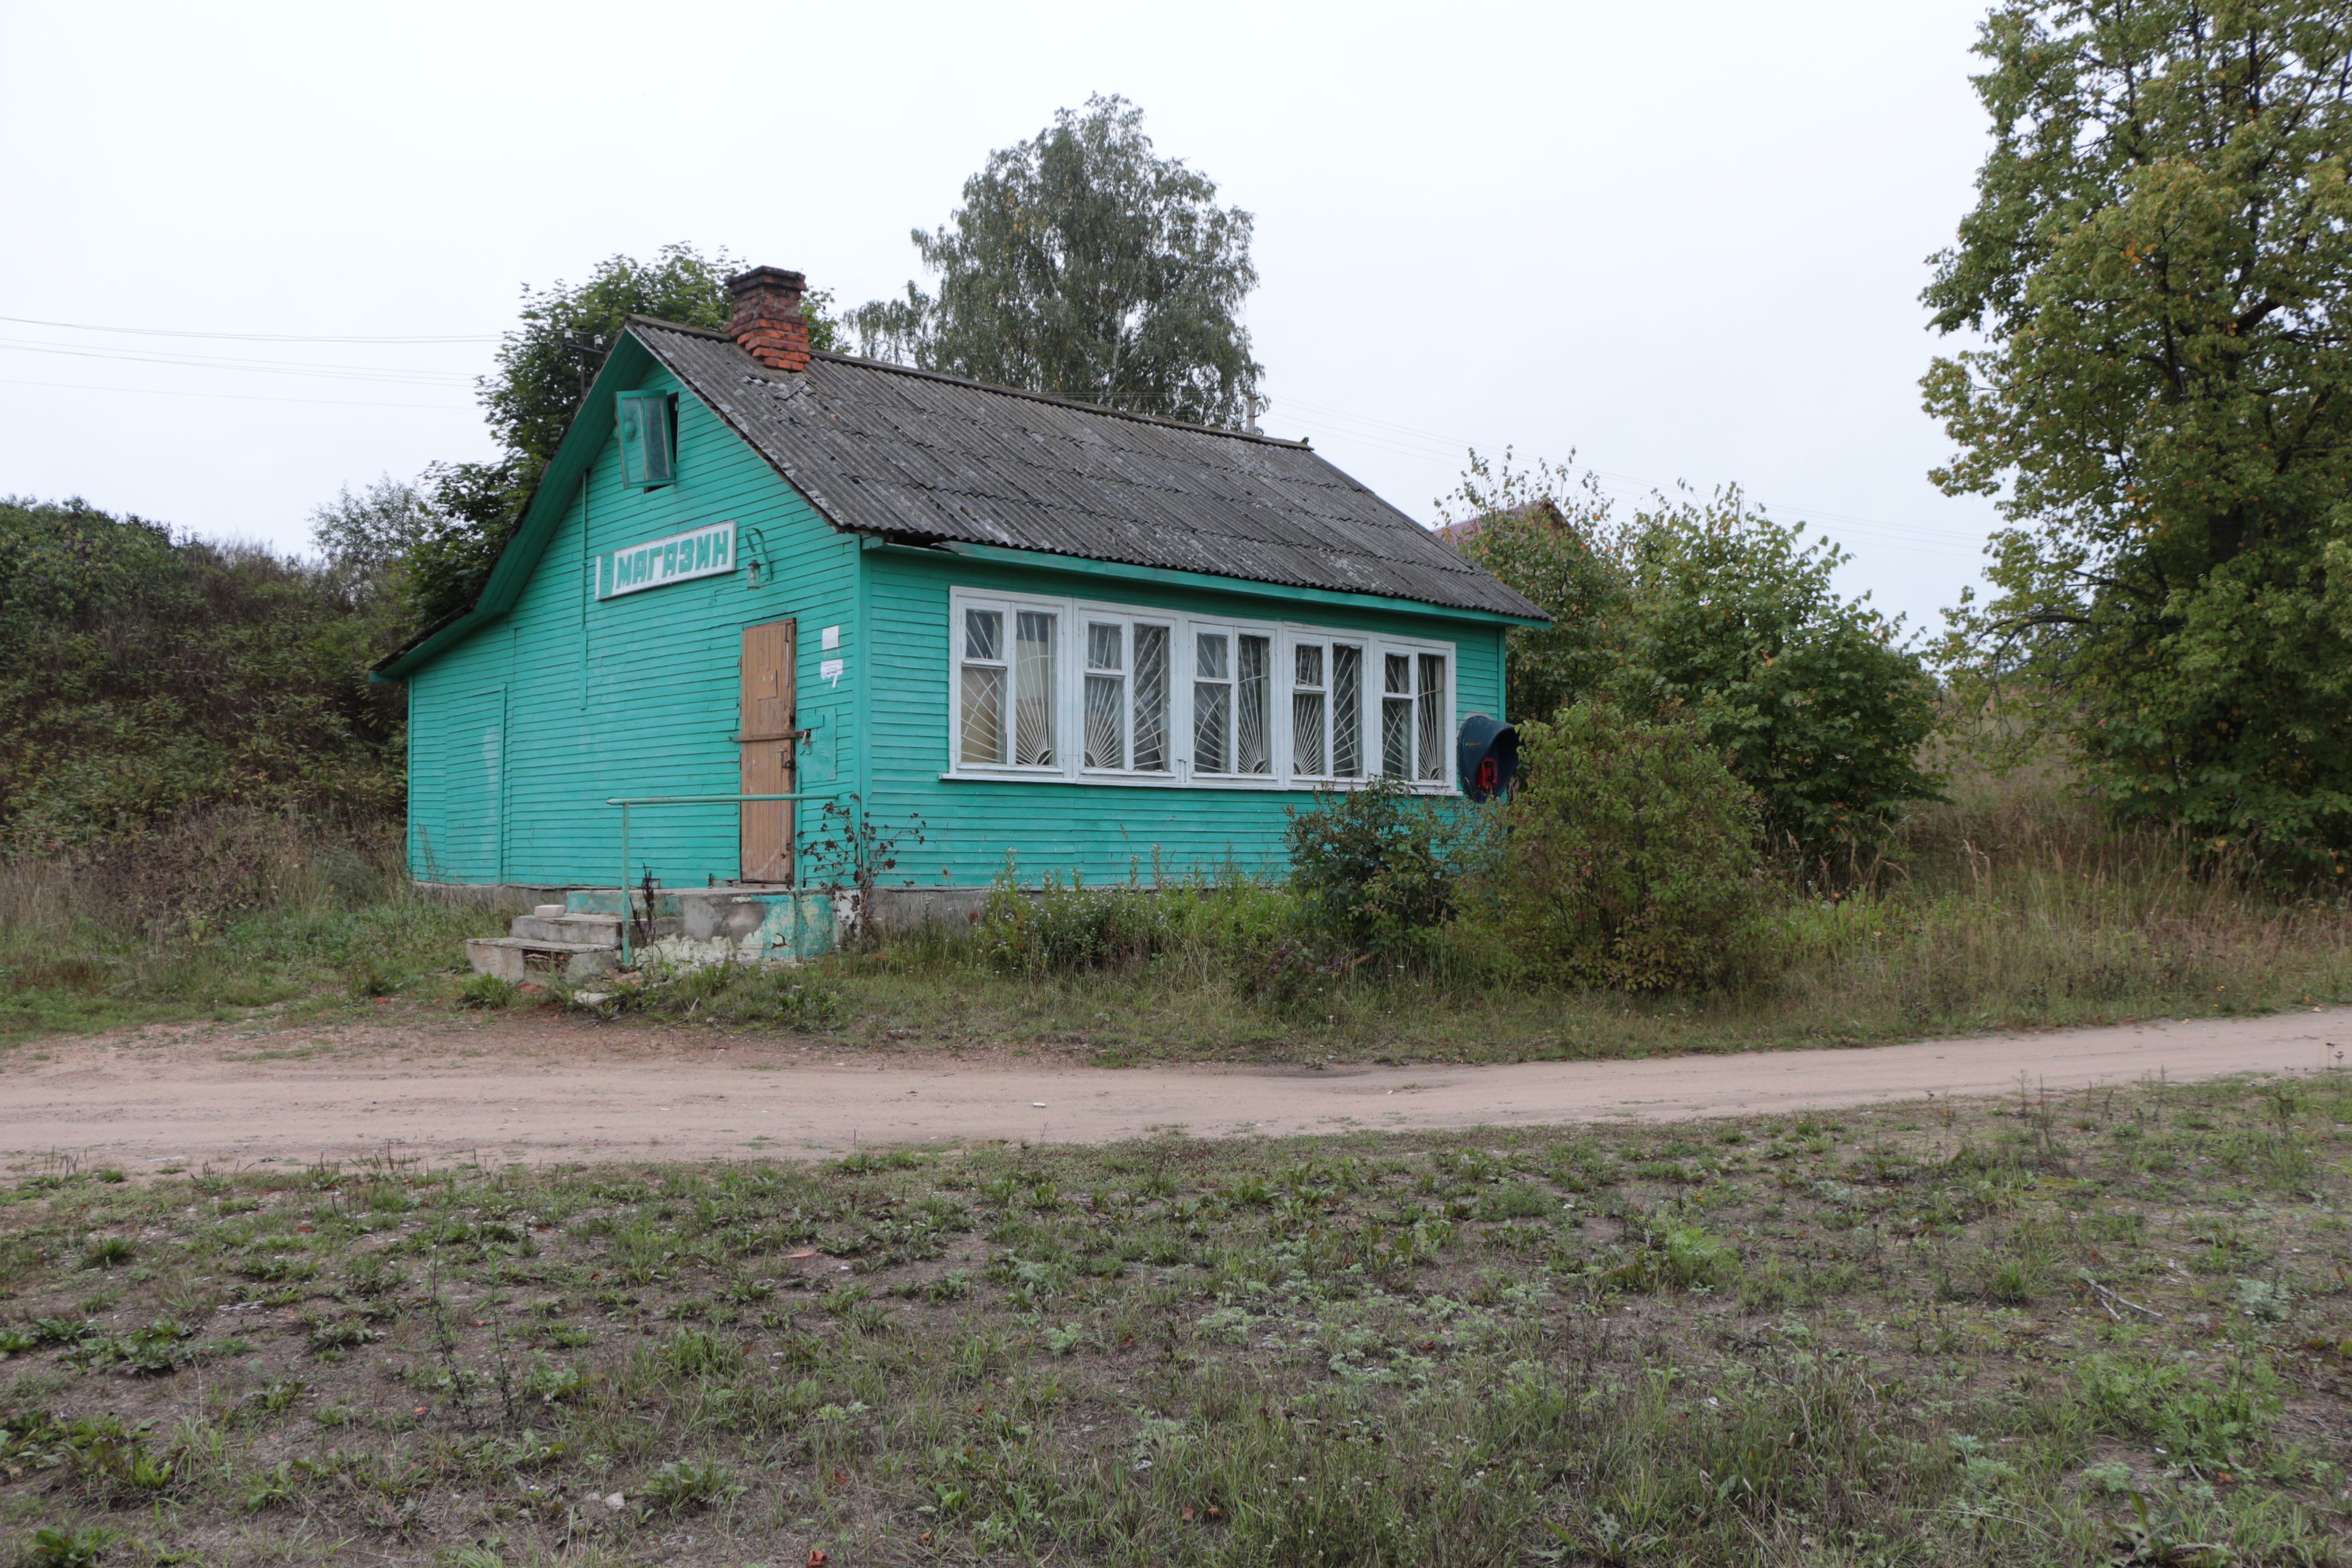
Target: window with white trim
982, 689
1113, 694
1125, 702
1008, 696
1327, 708
1233, 708
1414, 716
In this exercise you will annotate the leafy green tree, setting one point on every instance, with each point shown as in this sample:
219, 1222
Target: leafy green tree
475, 507
545, 366
1083, 266
1812, 698
565, 329
366, 538
1711, 611
1550, 536
2159, 265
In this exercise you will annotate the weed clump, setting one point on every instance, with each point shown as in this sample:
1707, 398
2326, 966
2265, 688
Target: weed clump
734, 992
1197, 926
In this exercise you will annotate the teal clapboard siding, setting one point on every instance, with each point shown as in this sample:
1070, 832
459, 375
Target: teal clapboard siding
524, 719
635, 695
456, 839
1100, 832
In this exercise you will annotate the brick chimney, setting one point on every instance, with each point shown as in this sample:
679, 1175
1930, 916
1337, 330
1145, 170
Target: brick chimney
767, 324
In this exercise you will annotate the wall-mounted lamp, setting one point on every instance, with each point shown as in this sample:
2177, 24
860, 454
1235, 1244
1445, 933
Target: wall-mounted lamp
759, 548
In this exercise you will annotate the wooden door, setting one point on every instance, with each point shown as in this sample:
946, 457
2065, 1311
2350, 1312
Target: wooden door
767, 739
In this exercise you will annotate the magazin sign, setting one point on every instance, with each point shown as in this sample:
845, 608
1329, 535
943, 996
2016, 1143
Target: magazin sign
705, 553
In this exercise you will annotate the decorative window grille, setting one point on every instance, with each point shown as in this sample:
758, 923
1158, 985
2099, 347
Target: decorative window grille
1212, 703
982, 730
1396, 715
1347, 711
1131, 698
1106, 695
1431, 694
1124, 704
1252, 706
1151, 704
1033, 690
1310, 709
1326, 710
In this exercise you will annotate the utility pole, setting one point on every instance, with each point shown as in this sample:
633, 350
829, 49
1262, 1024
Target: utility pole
588, 350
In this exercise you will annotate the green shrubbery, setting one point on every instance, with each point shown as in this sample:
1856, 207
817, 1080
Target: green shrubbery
1710, 610
1628, 860
1382, 867
1070, 928
140, 674
1632, 861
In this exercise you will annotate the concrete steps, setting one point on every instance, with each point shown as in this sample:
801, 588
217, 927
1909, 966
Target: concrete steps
531, 958
596, 931
718, 924
553, 940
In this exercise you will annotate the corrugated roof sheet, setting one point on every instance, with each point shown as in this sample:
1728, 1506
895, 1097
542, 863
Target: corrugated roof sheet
923, 457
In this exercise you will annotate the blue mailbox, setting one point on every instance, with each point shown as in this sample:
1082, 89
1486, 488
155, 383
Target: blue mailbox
1487, 753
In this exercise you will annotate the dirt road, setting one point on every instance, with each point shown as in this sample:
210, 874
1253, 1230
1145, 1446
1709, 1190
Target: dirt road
542, 1090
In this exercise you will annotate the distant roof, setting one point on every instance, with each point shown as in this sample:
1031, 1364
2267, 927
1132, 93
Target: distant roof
1457, 533
923, 459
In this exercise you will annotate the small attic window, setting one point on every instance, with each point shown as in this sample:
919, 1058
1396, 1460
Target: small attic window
648, 438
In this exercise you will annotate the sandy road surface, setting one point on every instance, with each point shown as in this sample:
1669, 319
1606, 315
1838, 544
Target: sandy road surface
541, 1089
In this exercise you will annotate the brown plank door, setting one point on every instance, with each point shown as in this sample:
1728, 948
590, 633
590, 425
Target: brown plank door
767, 740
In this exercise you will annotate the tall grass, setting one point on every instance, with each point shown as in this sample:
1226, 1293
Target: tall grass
2009, 906
2013, 903
216, 908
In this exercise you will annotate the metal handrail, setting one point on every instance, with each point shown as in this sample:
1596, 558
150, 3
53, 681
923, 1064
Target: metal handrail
628, 951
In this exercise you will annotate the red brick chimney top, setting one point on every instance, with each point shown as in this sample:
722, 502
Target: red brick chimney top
767, 324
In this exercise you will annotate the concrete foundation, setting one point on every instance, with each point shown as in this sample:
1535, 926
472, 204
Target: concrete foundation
716, 925
897, 910
706, 925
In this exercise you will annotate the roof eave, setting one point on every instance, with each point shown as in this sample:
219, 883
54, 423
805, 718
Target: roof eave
550, 496
1088, 566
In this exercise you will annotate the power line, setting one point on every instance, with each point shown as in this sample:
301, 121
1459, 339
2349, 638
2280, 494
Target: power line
255, 337
1429, 443
233, 397
388, 373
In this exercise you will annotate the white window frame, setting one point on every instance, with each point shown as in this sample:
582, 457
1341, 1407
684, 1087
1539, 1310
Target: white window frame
1276, 740
1129, 620
1072, 617
1367, 648
1009, 608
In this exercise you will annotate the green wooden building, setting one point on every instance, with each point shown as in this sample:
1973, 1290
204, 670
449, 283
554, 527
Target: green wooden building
1093, 642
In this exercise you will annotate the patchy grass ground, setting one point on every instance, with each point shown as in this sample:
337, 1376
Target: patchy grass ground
2088, 1330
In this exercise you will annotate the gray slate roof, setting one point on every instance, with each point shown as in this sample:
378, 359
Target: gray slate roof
923, 459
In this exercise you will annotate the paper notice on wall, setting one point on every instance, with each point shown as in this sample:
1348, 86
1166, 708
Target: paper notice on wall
830, 671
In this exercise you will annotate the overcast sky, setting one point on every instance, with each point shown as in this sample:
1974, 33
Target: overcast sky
1681, 242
